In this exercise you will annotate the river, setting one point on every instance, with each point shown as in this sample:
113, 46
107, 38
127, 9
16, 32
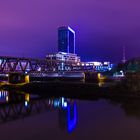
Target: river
26, 117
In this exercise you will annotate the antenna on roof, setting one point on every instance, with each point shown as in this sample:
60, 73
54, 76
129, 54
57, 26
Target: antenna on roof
124, 57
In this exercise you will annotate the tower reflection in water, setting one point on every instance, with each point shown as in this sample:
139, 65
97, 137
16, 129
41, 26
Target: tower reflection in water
67, 113
16, 105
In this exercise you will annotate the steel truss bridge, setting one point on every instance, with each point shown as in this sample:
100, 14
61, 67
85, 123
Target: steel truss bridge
16, 64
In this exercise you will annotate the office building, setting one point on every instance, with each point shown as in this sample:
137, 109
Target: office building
66, 40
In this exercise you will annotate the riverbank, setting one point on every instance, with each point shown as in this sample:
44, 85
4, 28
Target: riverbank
74, 90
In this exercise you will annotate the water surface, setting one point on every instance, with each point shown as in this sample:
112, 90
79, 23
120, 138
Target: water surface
24, 116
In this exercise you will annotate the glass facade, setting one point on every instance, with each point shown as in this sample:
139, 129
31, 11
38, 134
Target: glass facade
66, 40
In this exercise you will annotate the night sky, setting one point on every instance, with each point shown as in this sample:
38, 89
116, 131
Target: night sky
29, 27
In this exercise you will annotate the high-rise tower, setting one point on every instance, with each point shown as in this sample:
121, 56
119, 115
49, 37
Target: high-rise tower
66, 39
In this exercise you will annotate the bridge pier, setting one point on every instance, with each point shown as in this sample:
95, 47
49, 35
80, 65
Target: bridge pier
15, 78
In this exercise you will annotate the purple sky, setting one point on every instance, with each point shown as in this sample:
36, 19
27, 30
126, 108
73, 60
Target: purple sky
29, 27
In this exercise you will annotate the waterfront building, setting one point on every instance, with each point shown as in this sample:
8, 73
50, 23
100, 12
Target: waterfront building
97, 66
66, 39
65, 57
65, 60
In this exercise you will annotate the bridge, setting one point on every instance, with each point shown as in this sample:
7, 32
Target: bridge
16, 69
31, 65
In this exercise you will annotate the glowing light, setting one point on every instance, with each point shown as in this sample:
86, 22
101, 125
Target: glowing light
63, 53
65, 104
27, 97
71, 30
87, 64
49, 102
106, 63
27, 79
121, 71
39, 69
56, 103
101, 84
78, 64
97, 63
74, 36
72, 121
99, 75
26, 103
7, 98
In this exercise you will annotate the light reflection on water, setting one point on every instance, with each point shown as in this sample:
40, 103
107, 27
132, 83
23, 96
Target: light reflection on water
15, 105
80, 119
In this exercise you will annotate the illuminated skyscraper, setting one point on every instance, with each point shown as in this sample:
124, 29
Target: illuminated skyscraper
66, 39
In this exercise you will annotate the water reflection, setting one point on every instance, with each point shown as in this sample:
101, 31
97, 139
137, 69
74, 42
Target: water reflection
101, 83
16, 105
4, 96
131, 107
67, 112
68, 116
27, 99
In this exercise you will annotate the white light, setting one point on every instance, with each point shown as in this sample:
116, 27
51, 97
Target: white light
121, 71
62, 100
106, 63
7, 98
62, 53
71, 30
97, 63
78, 64
39, 69
87, 64
49, 101
65, 104
26, 103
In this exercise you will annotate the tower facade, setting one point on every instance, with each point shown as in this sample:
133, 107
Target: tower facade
66, 39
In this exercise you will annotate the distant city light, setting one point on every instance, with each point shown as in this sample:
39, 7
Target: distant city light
87, 64
7, 98
26, 104
63, 102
